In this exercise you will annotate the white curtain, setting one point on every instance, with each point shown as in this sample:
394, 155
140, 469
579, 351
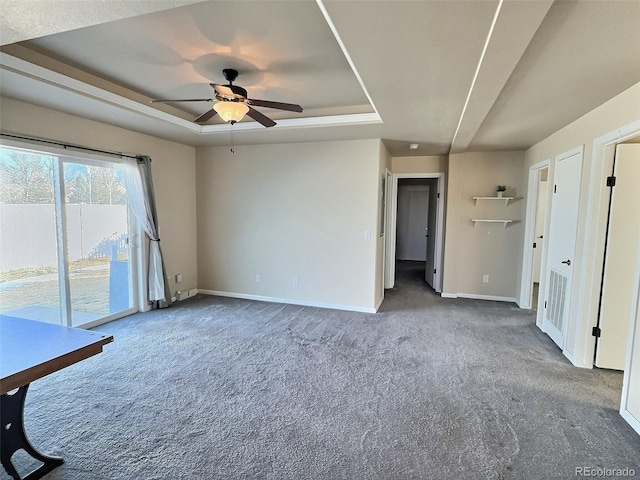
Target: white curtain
142, 203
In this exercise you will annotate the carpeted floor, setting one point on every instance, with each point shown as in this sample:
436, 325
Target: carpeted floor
428, 388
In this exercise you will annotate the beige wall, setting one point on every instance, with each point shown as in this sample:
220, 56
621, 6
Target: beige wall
421, 164
487, 248
291, 210
173, 171
608, 118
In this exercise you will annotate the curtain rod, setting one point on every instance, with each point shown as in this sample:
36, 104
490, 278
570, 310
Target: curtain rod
69, 145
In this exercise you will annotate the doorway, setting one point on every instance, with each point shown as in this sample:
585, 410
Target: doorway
534, 238
416, 226
65, 254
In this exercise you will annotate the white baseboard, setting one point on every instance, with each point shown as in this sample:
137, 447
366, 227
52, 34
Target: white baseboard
291, 301
487, 297
448, 295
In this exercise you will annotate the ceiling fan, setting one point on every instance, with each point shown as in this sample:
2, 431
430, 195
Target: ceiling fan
232, 104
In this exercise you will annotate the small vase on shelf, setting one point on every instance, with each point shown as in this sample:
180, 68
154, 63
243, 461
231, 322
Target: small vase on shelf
500, 191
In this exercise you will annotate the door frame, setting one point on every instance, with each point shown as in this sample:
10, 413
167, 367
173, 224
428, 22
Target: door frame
390, 267
526, 282
590, 267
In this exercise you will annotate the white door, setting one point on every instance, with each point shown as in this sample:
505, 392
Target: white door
619, 270
562, 242
432, 235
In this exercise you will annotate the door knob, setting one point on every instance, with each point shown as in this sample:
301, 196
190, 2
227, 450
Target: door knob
567, 262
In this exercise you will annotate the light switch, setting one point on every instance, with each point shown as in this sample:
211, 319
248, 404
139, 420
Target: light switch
367, 234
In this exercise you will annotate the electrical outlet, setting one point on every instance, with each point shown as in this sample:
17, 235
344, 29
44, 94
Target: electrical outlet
367, 234
485, 279
294, 281
178, 277
258, 278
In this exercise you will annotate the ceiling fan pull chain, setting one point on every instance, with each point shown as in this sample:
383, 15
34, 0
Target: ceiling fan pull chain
233, 139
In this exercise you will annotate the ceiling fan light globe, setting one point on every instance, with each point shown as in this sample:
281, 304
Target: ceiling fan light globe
231, 112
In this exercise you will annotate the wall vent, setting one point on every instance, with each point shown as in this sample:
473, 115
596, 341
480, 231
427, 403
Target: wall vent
557, 295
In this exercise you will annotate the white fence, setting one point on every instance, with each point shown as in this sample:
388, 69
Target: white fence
28, 232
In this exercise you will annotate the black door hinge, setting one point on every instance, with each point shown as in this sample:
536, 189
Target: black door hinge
596, 332
545, 304
611, 181
534, 244
438, 195
555, 188
434, 270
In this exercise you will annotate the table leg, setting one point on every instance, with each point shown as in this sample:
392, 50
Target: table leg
14, 437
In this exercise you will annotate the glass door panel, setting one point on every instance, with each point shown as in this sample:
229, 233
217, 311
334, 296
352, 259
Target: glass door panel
29, 268
97, 233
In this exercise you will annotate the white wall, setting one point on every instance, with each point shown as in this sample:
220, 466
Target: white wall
173, 170
292, 211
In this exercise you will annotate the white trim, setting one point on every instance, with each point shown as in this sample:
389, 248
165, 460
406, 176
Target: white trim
306, 122
391, 259
387, 280
24, 68
449, 295
290, 301
632, 351
484, 297
594, 238
526, 281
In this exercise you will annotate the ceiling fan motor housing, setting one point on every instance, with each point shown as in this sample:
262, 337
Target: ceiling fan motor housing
230, 74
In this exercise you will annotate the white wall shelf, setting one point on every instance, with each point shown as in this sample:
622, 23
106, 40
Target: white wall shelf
506, 199
483, 220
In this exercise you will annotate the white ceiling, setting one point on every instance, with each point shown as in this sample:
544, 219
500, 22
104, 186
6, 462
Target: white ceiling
449, 75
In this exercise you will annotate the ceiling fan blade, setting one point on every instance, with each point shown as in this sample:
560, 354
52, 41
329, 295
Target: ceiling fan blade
229, 92
259, 117
184, 100
279, 105
209, 114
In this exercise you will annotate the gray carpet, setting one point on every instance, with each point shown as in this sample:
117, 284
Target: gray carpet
429, 388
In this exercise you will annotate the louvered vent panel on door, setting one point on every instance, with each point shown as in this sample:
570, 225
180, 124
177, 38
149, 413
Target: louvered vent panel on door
557, 292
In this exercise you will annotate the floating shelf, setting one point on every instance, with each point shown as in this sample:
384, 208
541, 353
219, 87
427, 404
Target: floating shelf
506, 199
476, 220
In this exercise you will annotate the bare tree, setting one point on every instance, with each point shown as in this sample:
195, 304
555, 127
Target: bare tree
106, 186
26, 178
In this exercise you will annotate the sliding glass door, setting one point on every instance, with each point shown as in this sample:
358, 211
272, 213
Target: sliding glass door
65, 255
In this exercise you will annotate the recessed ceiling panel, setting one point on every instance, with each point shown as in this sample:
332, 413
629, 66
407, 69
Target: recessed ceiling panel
283, 50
